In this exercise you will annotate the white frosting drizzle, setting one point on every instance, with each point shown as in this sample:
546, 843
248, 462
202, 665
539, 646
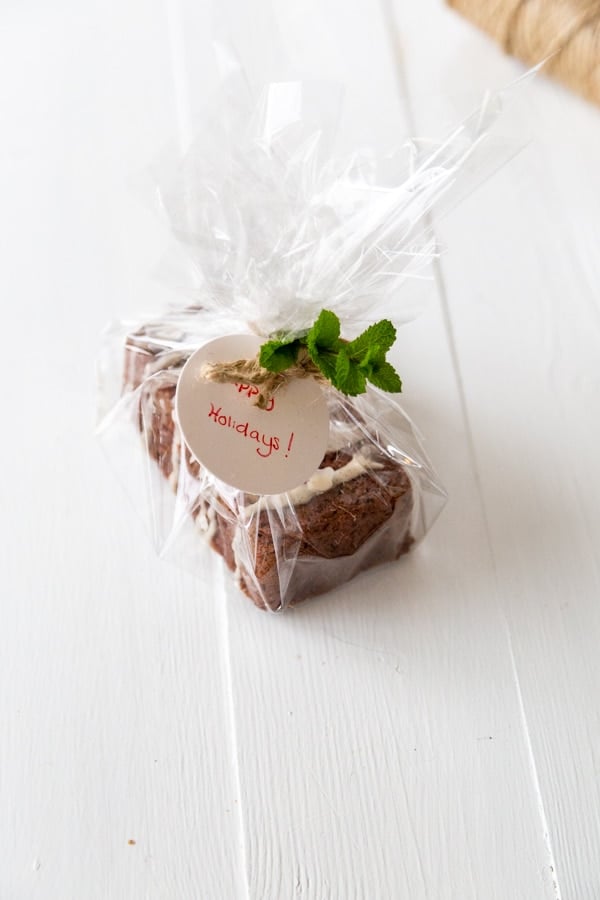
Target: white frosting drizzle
237, 548
322, 480
206, 521
211, 517
202, 523
165, 361
175, 459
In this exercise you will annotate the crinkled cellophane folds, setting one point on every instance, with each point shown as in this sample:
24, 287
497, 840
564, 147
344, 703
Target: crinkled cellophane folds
273, 229
373, 497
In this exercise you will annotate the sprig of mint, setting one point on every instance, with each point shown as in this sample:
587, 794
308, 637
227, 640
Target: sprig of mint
348, 365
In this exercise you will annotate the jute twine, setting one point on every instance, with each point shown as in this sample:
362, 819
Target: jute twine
250, 371
566, 32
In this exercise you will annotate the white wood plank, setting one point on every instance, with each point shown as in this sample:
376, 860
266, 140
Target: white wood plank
114, 686
417, 741
380, 745
524, 305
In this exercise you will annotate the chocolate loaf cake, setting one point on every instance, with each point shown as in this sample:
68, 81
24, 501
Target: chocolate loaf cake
353, 513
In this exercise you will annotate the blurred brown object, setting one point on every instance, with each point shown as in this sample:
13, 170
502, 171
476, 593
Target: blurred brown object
566, 32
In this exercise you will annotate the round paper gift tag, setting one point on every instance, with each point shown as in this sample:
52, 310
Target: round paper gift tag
261, 451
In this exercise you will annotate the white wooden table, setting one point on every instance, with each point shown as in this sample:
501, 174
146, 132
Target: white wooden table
430, 732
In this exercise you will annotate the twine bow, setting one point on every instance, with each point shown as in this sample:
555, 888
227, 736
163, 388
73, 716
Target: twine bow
250, 371
566, 33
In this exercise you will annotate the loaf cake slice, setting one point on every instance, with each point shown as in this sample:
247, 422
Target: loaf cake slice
353, 513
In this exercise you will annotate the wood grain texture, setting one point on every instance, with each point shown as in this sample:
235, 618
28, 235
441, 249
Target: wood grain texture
429, 731
112, 665
523, 302
378, 730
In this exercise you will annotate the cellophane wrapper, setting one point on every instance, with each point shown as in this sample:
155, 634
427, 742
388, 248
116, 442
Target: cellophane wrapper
274, 228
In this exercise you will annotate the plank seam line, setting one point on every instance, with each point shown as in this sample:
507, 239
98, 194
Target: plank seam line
533, 767
534, 773
395, 43
183, 107
223, 600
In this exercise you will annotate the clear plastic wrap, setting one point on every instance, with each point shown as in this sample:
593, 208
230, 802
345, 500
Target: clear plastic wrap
276, 229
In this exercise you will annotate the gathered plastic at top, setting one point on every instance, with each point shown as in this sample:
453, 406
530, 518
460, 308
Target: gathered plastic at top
275, 229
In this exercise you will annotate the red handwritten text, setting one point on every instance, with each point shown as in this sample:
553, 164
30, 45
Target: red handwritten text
252, 391
267, 444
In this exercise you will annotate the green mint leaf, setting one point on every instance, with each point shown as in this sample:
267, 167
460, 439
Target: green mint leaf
277, 356
347, 365
325, 333
325, 362
349, 379
381, 334
323, 341
385, 377
372, 359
